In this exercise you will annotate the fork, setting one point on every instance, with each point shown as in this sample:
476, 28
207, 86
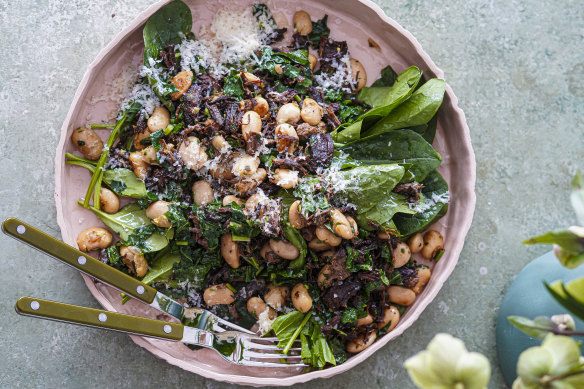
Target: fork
235, 347
197, 317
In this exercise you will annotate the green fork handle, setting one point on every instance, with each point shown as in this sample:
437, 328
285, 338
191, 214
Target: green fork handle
52, 310
79, 260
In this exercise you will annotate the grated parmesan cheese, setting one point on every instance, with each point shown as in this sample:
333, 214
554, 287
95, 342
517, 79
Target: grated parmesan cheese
339, 79
232, 36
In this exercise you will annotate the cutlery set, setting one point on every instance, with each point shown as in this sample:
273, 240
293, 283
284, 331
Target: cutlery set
234, 343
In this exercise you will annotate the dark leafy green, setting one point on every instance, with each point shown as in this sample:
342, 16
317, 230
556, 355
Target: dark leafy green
402, 146
169, 25
132, 225
436, 193
161, 267
383, 99
383, 212
293, 236
388, 77
233, 85
319, 28
365, 186
417, 110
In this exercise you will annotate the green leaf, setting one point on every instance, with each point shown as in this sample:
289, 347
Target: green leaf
384, 100
132, 220
537, 328
233, 85
403, 146
570, 245
124, 182
294, 236
386, 96
169, 25
388, 77
561, 294
554, 364
161, 268
365, 186
319, 28
577, 197
418, 109
385, 210
428, 130
285, 326
435, 192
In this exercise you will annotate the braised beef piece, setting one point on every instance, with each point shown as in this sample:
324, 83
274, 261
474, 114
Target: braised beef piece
316, 94
299, 163
141, 124
253, 144
321, 150
332, 323
337, 296
299, 42
251, 289
409, 276
282, 98
215, 114
218, 276
118, 159
330, 53
168, 57
308, 233
330, 118
338, 267
410, 189
305, 130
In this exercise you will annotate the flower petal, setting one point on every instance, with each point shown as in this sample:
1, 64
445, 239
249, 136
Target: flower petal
565, 353
533, 363
418, 367
474, 370
445, 351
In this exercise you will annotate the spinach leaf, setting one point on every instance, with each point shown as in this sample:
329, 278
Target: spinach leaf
417, 110
365, 186
436, 193
383, 100
131, 221
233, 85
403, 146
388, 77
319, 28
125, 183
285, 326
428, 130
155, 139
384, 211
161, 267
354, 264
388, 95
299, 56
169, 25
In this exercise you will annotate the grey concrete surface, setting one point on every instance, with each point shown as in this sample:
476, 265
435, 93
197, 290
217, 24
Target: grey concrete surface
517, 68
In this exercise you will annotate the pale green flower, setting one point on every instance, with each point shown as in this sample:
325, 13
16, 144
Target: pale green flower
446, 364
556, 364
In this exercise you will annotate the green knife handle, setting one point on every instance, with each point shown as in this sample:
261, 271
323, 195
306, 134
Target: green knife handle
79, 260
46, 309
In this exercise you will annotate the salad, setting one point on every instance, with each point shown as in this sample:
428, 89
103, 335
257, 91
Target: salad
264, 181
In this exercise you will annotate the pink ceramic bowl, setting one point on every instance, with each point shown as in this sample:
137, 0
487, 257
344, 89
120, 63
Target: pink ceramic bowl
352, 20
